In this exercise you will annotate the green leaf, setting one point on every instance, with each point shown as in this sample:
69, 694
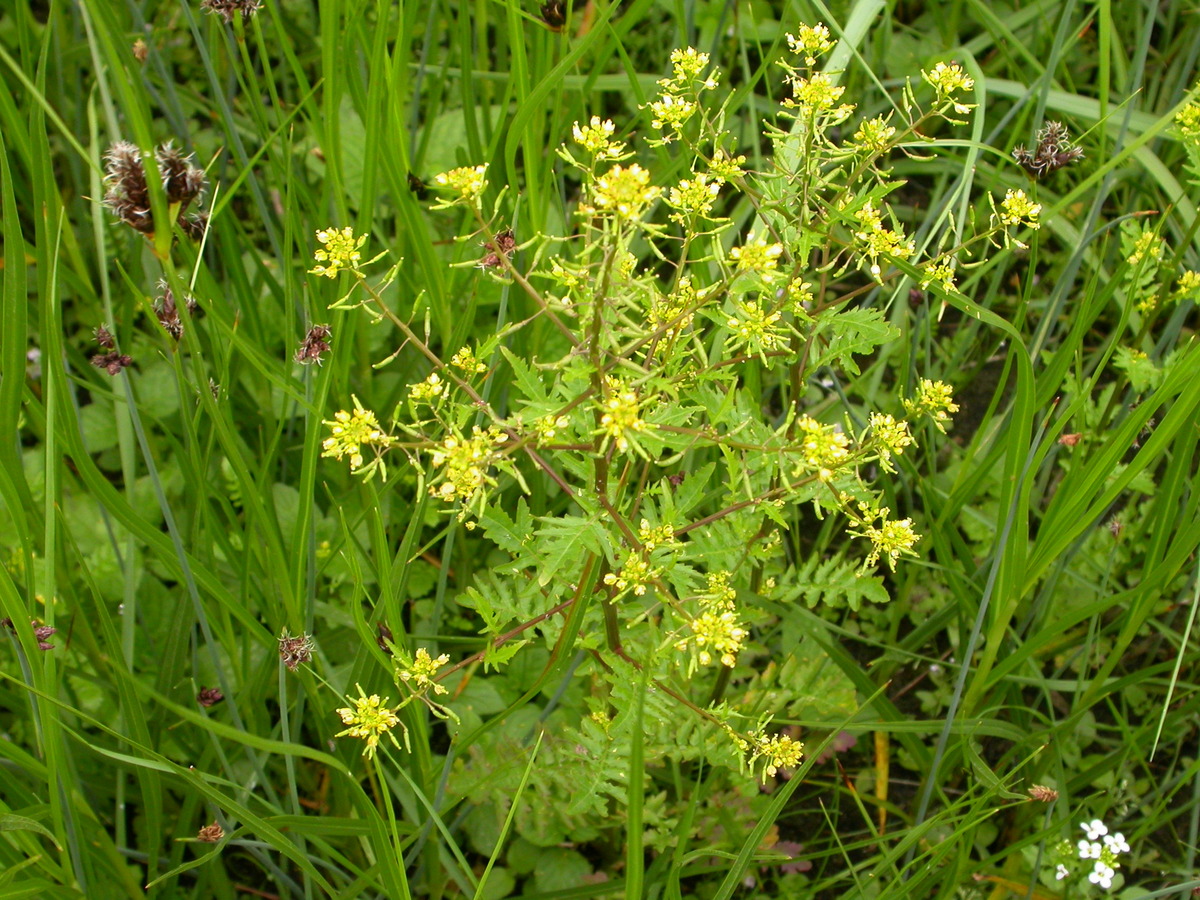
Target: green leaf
507, 533
10, 822
528, 381
564, 541
836, 582
851, 332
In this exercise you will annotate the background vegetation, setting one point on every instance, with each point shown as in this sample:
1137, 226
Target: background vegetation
171, 521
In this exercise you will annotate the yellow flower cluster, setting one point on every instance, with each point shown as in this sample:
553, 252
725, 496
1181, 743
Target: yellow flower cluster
893, 436
934, 399
878, 241
654, 536
340, 252
875, 135
810, 41
1187, 120
369, 718
755, 327
428, 390
947, 79
625, 190
464, 463
596, 137
466, 360
621, 413
419, 674
694, 196
635, 574
825, 446
778, 751
469, 182
891, 539
1018, 209
351, 432
940, 272
717, 633
756, 255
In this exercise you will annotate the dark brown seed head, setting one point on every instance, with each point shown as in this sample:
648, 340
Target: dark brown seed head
226, 9
112, 362
554, 14
295, 649
384, 637
209, 697
314, 346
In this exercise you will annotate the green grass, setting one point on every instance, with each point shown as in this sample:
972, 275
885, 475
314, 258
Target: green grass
172, 521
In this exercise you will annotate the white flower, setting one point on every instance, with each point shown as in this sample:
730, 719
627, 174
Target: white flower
1102, 875
1061, 872
1116, 843
1089, 850
1093, 829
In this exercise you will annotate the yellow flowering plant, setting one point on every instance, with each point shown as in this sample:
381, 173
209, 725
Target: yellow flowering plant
641, 475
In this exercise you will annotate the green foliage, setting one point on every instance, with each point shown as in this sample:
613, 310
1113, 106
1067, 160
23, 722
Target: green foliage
758, 494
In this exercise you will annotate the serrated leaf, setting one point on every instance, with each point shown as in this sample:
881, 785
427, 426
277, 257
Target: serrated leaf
837, 582
528, 380
495, 657
563, 541
851, 332
695, 485
472, 598
507, 533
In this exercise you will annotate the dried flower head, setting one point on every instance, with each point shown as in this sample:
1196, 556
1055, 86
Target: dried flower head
167, 311
503, 246
1043, 794
226, 9
128, 195
1070, 440
314, 346
40, 632
383, 637
209, 697
554, 14
105, 338
295, 649
112, 362
139, 50
211, 834
1053, 151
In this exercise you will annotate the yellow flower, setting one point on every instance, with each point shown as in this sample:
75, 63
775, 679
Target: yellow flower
620, 413
626, 191
468, 181
779, 751
418, 675
934, 399
369, 718
350, 432
341, 251
811, 41
1017, 209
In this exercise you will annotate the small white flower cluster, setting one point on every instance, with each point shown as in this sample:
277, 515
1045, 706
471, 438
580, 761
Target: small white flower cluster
1103, 853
